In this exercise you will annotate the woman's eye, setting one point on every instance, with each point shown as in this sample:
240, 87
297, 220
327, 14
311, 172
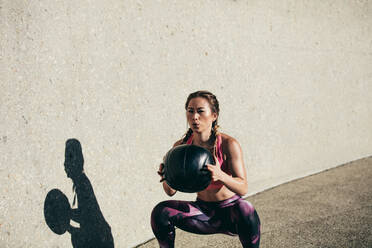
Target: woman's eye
190, 111
200, 111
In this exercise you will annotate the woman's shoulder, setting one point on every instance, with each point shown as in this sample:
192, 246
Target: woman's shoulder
228, 142
225, 138
178, 142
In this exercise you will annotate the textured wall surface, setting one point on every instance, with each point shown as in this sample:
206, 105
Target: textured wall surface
293, 79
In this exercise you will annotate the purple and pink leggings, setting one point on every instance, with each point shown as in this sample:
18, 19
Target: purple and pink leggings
232, 216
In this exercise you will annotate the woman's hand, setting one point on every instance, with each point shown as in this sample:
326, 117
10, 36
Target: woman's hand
216, 173
161, 172
168, 190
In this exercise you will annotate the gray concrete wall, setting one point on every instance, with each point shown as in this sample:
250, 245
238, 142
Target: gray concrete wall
293, 79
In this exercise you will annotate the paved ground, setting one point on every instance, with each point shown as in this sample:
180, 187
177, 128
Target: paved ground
329, 209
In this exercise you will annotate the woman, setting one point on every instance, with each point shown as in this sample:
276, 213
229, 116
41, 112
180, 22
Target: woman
219, 208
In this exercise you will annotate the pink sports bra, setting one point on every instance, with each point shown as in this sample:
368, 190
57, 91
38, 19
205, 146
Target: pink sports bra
217, 184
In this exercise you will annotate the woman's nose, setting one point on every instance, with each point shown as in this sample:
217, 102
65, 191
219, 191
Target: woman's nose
195, 116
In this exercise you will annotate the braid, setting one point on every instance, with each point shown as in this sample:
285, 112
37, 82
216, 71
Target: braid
187, 136
214, 135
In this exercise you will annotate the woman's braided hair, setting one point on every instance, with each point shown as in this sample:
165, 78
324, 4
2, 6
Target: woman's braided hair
214, 105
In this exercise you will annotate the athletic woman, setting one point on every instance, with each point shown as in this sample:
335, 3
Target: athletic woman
219, 208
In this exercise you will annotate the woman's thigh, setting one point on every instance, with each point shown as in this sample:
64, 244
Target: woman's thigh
186, 215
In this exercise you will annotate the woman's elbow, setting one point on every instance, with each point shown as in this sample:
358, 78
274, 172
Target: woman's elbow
168, 190
244, 189
171, 193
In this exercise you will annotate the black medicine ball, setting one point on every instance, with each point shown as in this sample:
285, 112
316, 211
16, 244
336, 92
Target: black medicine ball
185, 168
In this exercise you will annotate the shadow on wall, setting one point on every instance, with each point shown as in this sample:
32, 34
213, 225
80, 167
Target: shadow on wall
94, 231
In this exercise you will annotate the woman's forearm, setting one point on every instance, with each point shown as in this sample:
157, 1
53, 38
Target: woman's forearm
235, 184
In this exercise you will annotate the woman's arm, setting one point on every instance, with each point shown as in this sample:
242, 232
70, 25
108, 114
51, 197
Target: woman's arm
167, 189
237, 182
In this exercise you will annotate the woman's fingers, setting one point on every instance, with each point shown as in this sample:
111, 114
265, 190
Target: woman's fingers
215, 171
161, 172
161, 169
216, 160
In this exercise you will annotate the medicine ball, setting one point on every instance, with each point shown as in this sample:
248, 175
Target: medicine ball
57, 211
185, 168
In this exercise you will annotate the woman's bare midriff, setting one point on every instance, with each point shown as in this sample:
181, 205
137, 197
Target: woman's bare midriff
214, 195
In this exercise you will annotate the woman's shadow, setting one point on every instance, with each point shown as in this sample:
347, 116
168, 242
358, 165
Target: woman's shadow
94, 231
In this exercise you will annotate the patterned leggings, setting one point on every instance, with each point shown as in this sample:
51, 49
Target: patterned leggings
232, 216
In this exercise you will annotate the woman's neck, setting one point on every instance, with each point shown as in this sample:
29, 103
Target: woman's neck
201, 139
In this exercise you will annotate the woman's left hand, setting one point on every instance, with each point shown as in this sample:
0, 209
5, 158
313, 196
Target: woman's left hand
216, 173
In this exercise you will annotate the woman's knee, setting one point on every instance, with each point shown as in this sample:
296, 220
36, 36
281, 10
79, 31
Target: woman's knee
160, 214
247, 223
245, 210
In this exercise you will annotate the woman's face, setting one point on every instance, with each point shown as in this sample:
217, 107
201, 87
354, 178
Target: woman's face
199, 115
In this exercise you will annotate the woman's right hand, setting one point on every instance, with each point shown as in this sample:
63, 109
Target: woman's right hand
161, 172
168, 190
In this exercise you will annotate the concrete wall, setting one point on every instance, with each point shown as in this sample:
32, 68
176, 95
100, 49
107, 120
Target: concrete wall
293, 79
